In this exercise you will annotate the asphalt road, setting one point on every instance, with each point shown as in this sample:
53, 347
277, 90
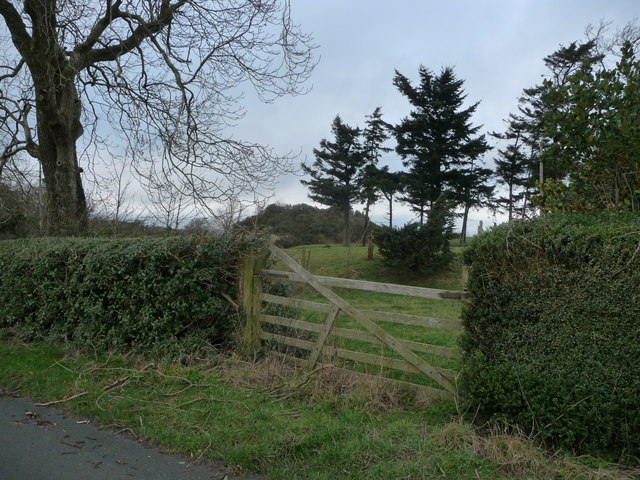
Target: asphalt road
38, 443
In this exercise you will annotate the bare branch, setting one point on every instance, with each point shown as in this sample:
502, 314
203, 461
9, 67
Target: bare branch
21, 39
144, 30
13, 71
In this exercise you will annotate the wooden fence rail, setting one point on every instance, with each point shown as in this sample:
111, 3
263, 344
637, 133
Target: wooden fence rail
373, 333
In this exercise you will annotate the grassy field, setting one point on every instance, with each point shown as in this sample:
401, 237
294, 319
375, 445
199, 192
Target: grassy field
261, 415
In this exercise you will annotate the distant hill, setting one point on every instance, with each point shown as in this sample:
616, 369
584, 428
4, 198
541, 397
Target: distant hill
305, 225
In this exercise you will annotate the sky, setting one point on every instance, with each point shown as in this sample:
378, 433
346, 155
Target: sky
495, 46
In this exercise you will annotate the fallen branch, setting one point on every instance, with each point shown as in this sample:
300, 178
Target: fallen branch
71, 444
195, 427
121, 381
66, 399
287, 391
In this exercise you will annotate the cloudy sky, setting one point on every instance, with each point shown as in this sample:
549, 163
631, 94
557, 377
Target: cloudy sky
495, 46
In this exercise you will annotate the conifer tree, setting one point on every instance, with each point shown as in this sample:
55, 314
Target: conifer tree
436, 139
537, 102
336, 170
512, 170
389, 184
375, 133
475, 190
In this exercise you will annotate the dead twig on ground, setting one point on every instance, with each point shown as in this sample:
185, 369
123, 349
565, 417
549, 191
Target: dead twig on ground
125, 379
66, 399
202, 430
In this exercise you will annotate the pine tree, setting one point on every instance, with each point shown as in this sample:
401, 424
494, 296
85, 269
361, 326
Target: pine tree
375, 133
513, 170
436, 139
538, 102
474, 191
389, 184
336, 170
596, 138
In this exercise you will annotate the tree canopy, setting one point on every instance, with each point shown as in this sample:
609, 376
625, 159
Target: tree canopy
154, 80
596, 138
336, 170
436, 138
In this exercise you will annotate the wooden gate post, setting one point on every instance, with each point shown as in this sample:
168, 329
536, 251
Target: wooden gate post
465, 280
370, 248
252, 300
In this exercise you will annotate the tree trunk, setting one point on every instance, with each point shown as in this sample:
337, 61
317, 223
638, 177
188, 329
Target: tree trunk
465, 218
366, 223
58, 126
66, 208
347, 227
391, 211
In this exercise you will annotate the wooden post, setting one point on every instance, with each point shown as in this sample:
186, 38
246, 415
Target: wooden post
370, 248
252, 301
465, 279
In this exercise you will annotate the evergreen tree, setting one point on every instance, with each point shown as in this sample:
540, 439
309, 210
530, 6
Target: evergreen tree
389, 184
474, 191
436, 139
336, 171
512, 171
579, 127
596, 138
375, 133
537, 102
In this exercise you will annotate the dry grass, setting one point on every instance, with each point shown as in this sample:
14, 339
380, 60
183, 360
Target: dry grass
515, 453
519, 455
280, 381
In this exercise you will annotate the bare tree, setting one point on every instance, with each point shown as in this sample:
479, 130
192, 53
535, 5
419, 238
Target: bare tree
162, 74
112, 199
168, 203
228, 215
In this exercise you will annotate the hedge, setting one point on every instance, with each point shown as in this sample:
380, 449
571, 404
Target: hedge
552, 330
154, 295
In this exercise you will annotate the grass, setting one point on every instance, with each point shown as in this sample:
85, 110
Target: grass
263, 417
352, 262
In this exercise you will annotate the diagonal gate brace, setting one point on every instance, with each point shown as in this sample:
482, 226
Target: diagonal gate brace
359, 317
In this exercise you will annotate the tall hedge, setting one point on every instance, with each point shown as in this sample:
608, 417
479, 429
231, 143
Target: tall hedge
552, 330
147, 295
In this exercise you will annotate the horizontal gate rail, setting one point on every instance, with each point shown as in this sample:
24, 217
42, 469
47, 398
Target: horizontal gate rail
391, 317
323, 325
369, 358
406, 290
360, 335
429, 392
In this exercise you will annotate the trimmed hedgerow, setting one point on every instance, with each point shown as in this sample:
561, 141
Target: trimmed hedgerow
552, 330
152, 295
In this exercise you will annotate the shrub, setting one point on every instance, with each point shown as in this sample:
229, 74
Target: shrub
418, 248
154, 295
552, 330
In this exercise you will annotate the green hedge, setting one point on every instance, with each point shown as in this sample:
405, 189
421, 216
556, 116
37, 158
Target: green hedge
552, 330
156, 296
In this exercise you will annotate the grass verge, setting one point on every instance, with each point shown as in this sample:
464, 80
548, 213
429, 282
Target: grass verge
266, 418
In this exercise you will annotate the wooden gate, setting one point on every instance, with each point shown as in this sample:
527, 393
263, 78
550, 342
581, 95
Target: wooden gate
408, 351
